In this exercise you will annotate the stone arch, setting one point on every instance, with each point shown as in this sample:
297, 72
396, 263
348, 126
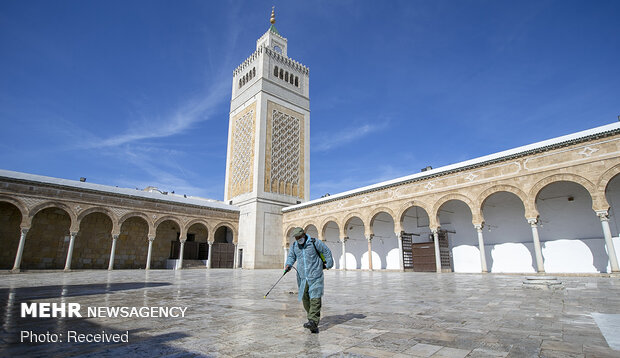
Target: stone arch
26, 218
348, 218
324, 222
434, 214
132, 214
602, 184
140, 215
171, 218
377, 211
482, 198
55, 204
408, 205
598, 200
198, 221
312, 223
308, 223
229, 226
99, 209
285, 234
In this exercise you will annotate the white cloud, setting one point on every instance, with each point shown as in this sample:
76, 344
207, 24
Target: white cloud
189, 113
332, 140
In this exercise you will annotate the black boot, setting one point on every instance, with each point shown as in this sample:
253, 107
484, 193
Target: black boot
307, 324
313, 327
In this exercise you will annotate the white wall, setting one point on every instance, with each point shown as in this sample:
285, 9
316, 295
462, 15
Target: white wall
384, 243
570, 232
455, 216
508, 240
357, 245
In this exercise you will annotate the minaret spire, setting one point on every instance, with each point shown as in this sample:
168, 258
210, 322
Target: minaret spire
273, 15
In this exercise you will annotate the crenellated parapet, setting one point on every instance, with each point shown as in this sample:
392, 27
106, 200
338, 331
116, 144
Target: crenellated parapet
287, 61
248, 61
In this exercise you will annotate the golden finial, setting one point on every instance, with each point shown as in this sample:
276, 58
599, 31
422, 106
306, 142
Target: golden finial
273, 15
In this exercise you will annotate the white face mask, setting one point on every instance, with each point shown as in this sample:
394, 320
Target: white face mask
301, 240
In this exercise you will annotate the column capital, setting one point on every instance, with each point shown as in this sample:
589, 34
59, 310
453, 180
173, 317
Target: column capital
151, 238
115, 237
73, 233
210, 242
183, 241
344, 239
603, 215
435, 230
532, 221
25, 230
370, 237
479, 226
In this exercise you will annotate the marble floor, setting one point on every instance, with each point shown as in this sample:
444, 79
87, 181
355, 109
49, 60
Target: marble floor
365, 314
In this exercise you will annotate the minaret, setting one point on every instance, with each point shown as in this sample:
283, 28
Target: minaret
268, 158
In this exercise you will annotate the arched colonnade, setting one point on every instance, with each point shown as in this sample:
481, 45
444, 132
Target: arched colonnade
57, 235
562, 223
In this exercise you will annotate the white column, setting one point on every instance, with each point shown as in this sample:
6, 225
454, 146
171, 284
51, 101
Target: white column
149, 252
437, 252
112, 252
344, 253
370, 252
236, 257
20, 250
70, 251
209, 265
483, 256
180, 262
400, 251
539, 259
611, 251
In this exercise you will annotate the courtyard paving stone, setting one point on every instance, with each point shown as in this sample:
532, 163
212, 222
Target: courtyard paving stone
365, 314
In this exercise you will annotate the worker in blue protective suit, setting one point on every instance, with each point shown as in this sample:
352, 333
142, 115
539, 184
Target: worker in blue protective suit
307, 251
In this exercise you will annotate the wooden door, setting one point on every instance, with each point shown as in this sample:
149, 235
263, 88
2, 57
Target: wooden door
423, 255
223, 255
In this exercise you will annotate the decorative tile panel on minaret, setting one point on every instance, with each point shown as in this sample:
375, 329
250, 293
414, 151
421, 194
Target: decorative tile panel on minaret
268, 157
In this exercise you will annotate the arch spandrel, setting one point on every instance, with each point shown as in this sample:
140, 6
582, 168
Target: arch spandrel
597, 199
434, 217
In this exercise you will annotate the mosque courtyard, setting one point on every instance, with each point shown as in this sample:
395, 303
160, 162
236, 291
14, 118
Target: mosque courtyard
365, 314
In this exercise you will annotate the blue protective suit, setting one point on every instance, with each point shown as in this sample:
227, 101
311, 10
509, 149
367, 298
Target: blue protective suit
310, 266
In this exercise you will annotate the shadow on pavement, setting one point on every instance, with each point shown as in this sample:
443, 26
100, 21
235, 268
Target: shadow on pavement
330, 321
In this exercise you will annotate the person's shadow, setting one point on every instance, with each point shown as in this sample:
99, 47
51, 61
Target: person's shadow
330, 321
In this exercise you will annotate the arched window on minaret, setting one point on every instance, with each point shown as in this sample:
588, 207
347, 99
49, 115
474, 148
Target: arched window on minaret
286, 76
291, 79
253, 71
281, 74
240, 83
275, 71
296, 81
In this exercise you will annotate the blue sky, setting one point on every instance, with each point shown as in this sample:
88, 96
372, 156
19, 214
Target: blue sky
137, 93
